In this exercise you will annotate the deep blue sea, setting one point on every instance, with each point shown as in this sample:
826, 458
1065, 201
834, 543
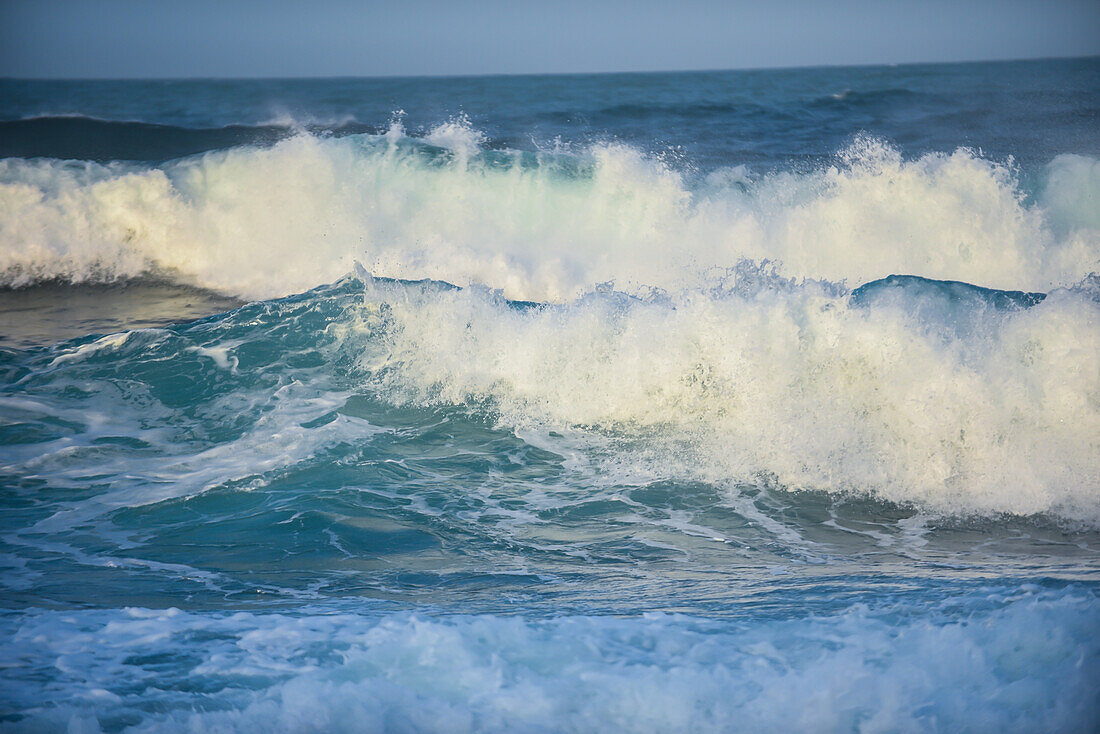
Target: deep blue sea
746, 401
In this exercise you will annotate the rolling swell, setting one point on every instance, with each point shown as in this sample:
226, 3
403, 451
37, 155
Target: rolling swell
91, 139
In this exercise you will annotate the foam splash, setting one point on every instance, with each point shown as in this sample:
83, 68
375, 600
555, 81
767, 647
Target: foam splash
911, 397
1022, 661
265, 222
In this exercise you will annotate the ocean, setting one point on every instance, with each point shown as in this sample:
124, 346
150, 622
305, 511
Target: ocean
733, 401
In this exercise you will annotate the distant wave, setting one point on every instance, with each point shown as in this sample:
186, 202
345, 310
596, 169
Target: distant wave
77, 137
847, 99
637, 111
854, 99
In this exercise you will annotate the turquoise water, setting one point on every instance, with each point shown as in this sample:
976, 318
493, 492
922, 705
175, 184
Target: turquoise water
731, 401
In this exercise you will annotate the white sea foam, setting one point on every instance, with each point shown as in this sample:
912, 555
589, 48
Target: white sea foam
1024, 663
787, 381
272, 221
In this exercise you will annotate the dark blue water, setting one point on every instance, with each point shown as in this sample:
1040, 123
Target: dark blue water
1030, 110
725, 401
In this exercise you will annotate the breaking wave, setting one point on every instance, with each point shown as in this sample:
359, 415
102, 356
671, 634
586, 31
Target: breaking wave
940, 395
259, 222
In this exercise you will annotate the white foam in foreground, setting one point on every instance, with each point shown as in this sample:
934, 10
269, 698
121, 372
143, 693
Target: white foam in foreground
1023, 663
269, 222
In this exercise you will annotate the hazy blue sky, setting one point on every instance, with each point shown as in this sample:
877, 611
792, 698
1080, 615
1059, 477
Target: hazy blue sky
157, 38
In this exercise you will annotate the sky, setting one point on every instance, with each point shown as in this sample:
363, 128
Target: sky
277, 38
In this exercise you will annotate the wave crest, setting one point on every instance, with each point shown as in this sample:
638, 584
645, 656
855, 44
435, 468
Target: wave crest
263, 222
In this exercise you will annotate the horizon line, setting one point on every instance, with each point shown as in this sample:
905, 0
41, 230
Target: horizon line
701, 70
